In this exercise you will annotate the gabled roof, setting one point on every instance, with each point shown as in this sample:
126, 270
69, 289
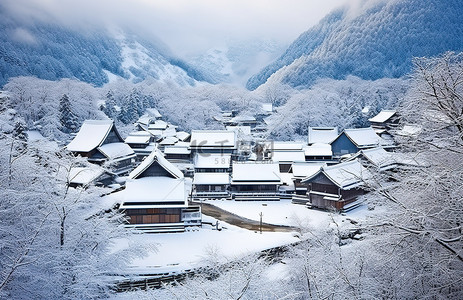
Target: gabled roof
153, 112
383, 116
145, 120
213, 160
92, 135
156, 157
85, 175
322, 135
170, 140
213, 139
379, 158
211, 178
346, 175
158, 125
288, 156
306, 169
362, 137
255, 173
116, 150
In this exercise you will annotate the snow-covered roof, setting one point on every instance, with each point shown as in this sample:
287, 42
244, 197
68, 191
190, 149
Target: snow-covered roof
170, 140
322, 135
267, 107
138, 137
213, 138
153, 192
85, 175
318, 149
363, 137
288, 156
212, 160
145, 120
91, 135
256, 173
379, 158
153, 112
182, 135
306, 169
211, 178
243, 118
155, 132
156, 156
382, 116
346, 175
285, 146
246, 130
34, 135
158, 125
176, 150
116, 150
170, 131
409, 130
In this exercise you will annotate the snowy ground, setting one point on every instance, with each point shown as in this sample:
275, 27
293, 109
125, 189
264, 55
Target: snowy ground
175, 252
285, 213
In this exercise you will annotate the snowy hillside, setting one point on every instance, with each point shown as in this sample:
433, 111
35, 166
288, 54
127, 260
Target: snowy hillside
53, 52
373, 40
237, 60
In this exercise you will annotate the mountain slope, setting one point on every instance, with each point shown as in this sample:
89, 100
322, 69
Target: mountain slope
378, 42
50, 51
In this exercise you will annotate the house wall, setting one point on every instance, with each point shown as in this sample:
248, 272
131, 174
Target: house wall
211, 188
154, 215
259, 188
342, 145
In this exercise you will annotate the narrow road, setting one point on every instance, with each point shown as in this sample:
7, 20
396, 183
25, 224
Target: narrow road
230, 218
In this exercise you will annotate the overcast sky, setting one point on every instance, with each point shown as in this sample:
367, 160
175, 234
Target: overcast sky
187, 26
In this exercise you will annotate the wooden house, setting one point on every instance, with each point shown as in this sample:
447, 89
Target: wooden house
336, 187
213, 141
384, 120
302, 170
353, 140
255, 181
318, 152
155, 197
377, 158
90, 175
286, 158
100, 142
141, 142
212, 163
211, 185
179, 152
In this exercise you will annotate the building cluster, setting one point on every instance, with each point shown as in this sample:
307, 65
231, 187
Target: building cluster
327, 171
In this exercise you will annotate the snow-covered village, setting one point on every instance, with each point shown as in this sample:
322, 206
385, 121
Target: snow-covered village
228, 150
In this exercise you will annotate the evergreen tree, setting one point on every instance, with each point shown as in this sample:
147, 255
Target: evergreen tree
67, 118
110, 106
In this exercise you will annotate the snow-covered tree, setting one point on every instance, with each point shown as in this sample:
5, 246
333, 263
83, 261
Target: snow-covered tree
67, 117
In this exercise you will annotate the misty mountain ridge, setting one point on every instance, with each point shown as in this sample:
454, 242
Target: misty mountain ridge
377, 40
52, 52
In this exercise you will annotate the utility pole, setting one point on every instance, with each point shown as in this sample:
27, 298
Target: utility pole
261, 214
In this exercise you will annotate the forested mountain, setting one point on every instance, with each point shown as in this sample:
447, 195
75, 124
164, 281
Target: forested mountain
376, 39
50, 51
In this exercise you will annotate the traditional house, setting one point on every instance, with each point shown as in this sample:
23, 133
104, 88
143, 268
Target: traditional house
213, 141
242, 120
255, 181
212, 163
150, 116
86, 176
142, 143
322, 135
211, 185
353, 140
377, 158
183, 136
100, 142
336, 187
180, 151
302, 170
155, 197
286, 158
318, 152
384, 120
